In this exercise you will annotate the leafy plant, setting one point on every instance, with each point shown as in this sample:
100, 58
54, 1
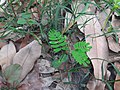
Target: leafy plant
49, 16
57, 41
26, 19
117, 4
11, 77
79, 53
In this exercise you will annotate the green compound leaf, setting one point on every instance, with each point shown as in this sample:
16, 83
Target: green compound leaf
57, 49
57, 63
59, 45
57, 41
83, 46
79, 53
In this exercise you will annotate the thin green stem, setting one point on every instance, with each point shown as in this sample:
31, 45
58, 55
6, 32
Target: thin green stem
106, 20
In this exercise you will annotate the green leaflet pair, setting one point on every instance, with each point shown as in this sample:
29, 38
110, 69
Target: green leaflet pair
59, 43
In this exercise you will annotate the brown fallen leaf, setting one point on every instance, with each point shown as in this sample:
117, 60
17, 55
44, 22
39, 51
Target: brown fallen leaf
116, 25
117, 84
102, 16
2, 44
22, 42
27, 56
1, 25
97, 85
49, 80
24, 87
62, 86
35, 81
25, 41
44, 67
113, 45
115, 22
7, 53
31, 82
99, 48
83, 19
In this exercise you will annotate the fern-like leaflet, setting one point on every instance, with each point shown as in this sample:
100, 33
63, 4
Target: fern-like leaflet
79, 53
57, 41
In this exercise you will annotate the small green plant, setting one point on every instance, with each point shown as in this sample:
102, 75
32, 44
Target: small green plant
26, 19
79, 53
58, 43
117, 4
11, 77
